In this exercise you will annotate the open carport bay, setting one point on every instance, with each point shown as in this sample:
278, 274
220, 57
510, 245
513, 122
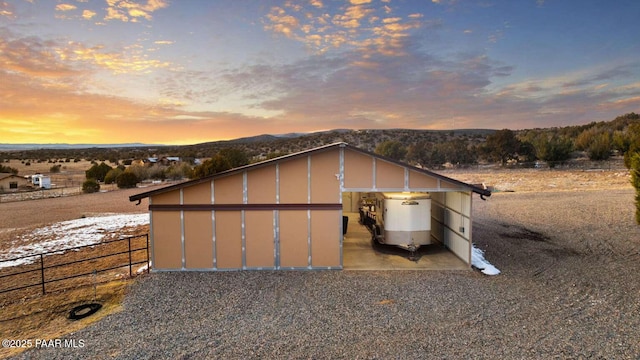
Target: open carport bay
361, 253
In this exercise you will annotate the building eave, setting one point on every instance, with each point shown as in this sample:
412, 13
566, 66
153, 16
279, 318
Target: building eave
139, 197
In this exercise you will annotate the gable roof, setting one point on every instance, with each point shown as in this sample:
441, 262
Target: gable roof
240, 169
8, 175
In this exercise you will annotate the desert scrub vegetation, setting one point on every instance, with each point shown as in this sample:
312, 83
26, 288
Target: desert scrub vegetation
90, 186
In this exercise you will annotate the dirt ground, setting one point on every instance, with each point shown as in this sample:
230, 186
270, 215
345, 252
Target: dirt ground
71, 173
20, 217
545, 180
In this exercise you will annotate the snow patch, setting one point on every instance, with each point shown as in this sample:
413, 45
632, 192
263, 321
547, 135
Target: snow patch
142, 269
69, 234
478, 261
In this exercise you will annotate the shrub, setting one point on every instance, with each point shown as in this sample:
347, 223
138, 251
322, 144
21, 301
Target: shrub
553, 148
55, 169
235, 157
90, 186
98, 172
140, 171
214, 165
8, 169
392, 149
600, 147
112, 175
127, 180
177, 172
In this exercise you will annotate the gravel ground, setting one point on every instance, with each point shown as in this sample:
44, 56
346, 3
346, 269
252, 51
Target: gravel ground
569, 288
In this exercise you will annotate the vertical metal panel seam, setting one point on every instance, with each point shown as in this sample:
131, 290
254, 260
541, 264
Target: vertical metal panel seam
276, 221
470, 226
243, 238
275, 238
244, 188
277, 183
340, 229
277, 230
309, 237
309, 179
341, 173
309, 211
153, 257
406, 179
213, 225
182, 238
373, 173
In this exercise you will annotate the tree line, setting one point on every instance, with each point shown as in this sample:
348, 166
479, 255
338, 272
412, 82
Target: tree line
599, 141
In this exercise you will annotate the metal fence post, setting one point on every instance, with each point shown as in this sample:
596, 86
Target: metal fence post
130, 272
148, 266
42, 272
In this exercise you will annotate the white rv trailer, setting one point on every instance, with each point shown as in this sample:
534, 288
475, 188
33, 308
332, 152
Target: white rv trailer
41, 181
400, 219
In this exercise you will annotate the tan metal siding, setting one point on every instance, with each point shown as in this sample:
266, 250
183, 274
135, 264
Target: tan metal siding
198, 240
294, 249
389, 175
261, 185
228, 239
421, 181
197, 194
228, 190
448, 185
358, 170
172, 197
325, 238
293, 181
259, 239
167, 240
325, 181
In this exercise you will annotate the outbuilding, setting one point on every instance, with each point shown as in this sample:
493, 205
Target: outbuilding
287, 212
11, 182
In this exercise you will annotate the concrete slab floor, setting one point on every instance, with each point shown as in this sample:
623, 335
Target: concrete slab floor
359, 252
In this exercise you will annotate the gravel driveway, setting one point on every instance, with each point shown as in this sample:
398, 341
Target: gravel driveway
569, 288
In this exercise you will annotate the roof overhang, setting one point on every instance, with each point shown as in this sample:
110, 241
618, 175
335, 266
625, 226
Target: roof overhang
138, 197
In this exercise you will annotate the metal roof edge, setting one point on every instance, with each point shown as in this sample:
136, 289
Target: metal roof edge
229, 172
473, 188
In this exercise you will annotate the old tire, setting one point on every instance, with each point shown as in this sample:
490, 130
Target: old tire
82, 311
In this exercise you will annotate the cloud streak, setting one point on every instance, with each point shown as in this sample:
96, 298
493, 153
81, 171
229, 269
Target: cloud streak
359, 25
129, 10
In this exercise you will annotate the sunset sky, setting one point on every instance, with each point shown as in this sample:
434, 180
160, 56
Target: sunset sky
187, 71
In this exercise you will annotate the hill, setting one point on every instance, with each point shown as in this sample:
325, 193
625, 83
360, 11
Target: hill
597, 140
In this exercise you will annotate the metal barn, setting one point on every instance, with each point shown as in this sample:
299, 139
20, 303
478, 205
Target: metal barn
287, 213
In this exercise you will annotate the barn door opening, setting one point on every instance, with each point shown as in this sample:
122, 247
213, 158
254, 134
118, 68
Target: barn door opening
362, 251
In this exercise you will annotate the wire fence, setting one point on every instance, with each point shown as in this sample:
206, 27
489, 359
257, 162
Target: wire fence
37, 272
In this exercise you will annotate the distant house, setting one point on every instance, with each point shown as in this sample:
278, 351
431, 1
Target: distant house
11, 182
164, 160
169, 160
